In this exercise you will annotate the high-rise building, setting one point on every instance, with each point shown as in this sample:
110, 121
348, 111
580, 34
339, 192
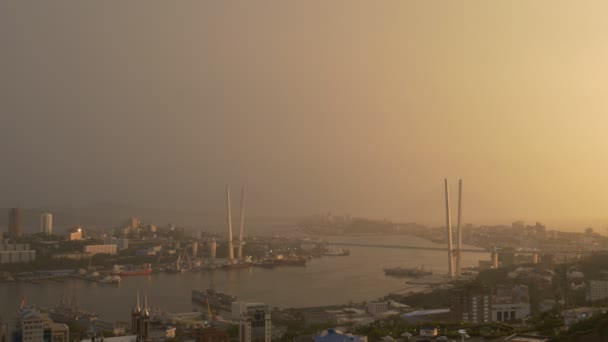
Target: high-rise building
46, 223
471, 304
14, 223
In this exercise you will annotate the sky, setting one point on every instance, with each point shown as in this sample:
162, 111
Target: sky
359, 107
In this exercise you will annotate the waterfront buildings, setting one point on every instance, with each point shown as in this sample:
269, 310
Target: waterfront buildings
100, 249
56, 331
14, 223
16, 253
46, 223
597, 290
30, 326
334, 335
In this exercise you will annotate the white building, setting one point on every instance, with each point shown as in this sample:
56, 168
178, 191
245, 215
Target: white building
376, 308
46, 223
510, 303
334, 335
510, 312
598, 290
100, 249
32, 325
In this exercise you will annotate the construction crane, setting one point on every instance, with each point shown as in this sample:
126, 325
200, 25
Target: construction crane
210, 315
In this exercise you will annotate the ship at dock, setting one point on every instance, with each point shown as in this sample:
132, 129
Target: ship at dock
401, 271
130, 270
214, 298
69, 312
290, 261
336, 252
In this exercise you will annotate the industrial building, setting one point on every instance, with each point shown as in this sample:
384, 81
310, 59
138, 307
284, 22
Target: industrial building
101, 249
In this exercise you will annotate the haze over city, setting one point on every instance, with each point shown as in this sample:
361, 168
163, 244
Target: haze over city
343, 106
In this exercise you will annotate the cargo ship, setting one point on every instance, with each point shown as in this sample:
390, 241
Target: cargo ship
215, 298
145, 269
407, 272
292, 261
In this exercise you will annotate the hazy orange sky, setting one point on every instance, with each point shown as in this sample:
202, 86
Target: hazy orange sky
349, 106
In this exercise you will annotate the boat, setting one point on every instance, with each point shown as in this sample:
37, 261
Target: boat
401, 271
336, 252
215, 298
291, 261
110, 279
145, 269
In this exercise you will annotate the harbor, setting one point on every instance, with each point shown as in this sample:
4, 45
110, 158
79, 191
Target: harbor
322, 281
